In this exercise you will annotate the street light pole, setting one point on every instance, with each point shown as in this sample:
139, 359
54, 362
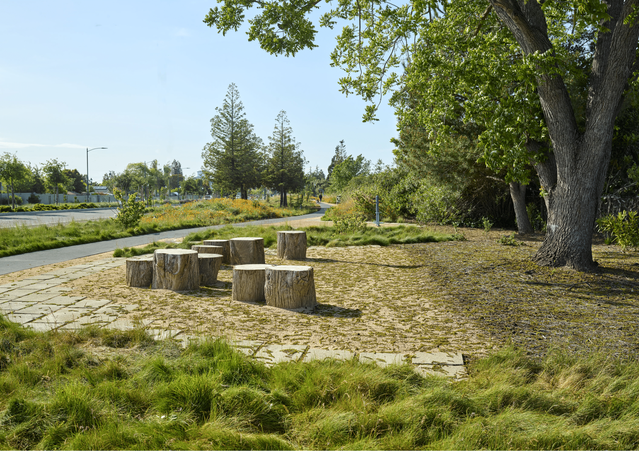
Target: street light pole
89, 150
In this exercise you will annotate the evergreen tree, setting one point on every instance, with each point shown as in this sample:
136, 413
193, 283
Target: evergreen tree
233, 160
338, 157
285, 166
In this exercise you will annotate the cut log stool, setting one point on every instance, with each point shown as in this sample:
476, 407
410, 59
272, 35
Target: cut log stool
209, 267
290, 287
248, 283
176, 269
139, 271
291, 245
206, 249
246, 251
226, 253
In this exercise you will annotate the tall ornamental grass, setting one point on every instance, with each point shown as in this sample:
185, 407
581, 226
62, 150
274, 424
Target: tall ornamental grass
100, 389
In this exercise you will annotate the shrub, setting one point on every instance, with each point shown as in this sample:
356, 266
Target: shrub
33, 199
131, 211
624, 228
350, 223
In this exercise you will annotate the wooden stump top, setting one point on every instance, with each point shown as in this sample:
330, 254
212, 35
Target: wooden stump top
204, 256
253, 267
292, 232
247, 238
293, 268
175, 251
143, 257
208, 249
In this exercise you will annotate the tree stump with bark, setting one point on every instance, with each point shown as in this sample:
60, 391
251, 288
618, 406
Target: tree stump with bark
290, 287
246, 251
226, 254
176, 269
248, 283
207, 249
291, 245
209, 267
139, 271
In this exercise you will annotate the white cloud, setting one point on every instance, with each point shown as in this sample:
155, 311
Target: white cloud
10, 145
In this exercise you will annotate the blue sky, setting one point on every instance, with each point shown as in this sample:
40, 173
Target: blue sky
143, 78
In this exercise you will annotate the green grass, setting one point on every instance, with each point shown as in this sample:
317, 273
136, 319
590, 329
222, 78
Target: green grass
315, 236
58, 391
23, 239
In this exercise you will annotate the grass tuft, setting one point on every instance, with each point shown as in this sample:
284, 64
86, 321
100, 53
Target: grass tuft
60, 392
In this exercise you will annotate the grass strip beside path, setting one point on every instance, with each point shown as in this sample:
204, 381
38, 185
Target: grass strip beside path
107, 389
328, 236
23, 239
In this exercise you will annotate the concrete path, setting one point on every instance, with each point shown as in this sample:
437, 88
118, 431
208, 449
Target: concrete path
42, 303
36, 218
40, 258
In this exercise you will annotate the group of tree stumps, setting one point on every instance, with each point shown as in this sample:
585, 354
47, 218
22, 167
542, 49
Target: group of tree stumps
283, 286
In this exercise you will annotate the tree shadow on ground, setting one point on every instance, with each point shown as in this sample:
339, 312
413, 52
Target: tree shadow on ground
330, 260
328, 310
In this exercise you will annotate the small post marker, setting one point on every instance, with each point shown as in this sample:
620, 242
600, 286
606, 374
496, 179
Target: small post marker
377, 210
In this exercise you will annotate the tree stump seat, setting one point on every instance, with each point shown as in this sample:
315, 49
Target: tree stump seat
139, 271
290, 287
207, 249
176, 269
226, 254
248, 282
291, 245
246, 251
209, 265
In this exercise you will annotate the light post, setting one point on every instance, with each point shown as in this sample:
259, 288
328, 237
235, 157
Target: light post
89, 150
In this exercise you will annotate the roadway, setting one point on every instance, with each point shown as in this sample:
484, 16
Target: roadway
40, 258
36, 218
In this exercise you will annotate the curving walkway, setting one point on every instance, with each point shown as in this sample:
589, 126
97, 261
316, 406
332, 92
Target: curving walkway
40, 258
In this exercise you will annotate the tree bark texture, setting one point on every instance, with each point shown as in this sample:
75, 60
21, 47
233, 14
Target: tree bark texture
518, 195
207, 249
246, 251
290, 287
209, 266
248, 283
226, 254
291, 245
581, 158
139, 271
176, 269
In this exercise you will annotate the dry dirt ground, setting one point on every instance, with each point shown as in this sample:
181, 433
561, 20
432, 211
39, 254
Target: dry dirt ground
463, 296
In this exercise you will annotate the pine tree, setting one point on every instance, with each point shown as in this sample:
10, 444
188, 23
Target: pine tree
233, 160
285, 166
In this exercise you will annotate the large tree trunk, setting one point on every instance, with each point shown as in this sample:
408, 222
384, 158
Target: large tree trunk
581, 157
518, 195
572, 210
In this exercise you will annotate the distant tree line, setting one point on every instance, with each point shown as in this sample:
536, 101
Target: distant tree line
52, 177
149, 179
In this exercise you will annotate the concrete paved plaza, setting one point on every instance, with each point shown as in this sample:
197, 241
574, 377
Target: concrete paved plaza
42, 303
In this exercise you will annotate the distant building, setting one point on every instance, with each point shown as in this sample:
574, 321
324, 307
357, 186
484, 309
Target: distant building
101, 190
